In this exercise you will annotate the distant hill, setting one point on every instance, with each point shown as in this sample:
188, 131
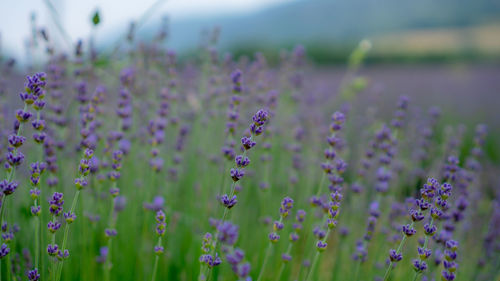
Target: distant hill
333, 20
327, 24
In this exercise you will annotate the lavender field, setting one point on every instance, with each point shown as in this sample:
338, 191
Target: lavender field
144, 164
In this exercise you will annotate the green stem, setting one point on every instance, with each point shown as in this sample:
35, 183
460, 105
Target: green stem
66, 232
266, 258
417, 273
356, 271
37, 240
313, 265
320, 187
400, 247
108, 265
155, 268
283, 264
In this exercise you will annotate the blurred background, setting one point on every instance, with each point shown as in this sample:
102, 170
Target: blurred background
444, 53
401, 31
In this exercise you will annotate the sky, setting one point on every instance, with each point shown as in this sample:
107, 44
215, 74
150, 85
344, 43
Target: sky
75, 15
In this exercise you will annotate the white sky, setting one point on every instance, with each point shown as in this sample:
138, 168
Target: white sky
75, 15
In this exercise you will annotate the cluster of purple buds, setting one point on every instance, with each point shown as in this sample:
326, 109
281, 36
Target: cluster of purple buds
294, 235
450, 265
207, 246
227, 233
286, 206
400, 114
36, 170
52, 249
240, 268
427, 192
210, 261
7, 187
33, 275
374, 214
451, 168
4, 250
331, 221
333, 169
160, 223
35, 89
125, 109
227, 201
434, 197
84, 169
116, 165
56, 202
233, 114
156, 130
241, 161
35, 92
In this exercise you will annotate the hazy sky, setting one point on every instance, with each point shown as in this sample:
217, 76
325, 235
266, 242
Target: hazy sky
75, 15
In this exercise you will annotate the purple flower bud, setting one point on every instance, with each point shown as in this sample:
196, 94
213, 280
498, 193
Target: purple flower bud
110, 232
424, 253
158, 250
16, 141
228, 202
395, 257
4, 250
62, 254
33, 275
247, 143
228, 233
237, 174
321, 246
408, 230
419, 265
52, 249
274, 237
69, 217
53, 226
8, 188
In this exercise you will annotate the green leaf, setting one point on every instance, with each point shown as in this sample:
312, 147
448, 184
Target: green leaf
96, 18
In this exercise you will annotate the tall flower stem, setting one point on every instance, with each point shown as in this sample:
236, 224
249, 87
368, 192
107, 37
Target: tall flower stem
282, 268
112, 222
398, 251
266, 258
316, 258
66, 232
155, 268
417, 274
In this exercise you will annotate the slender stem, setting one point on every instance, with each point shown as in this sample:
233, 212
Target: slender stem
155, 268
266, 258
313, 265
108, 265
9, 268
37, 240
316, 257
283, 264
320, 187
400, 247
356, 271
417, 273
224, 215
66, 232
53, 262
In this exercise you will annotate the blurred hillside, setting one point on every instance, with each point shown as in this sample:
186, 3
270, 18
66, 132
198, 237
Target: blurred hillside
401, 30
